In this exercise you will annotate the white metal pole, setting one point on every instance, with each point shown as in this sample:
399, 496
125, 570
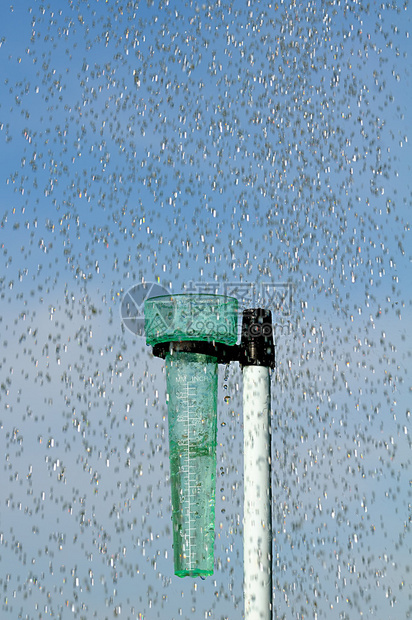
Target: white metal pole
257, 535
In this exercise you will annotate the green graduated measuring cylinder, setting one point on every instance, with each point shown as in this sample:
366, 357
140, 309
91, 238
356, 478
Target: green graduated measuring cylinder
192, 414
192, 389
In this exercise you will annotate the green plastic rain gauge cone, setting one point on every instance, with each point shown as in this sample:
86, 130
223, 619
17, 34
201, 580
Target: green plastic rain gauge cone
188, 326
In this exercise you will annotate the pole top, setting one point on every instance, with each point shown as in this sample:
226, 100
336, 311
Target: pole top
256, 343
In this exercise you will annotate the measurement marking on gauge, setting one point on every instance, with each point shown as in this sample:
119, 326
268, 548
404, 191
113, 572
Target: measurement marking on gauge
190, 393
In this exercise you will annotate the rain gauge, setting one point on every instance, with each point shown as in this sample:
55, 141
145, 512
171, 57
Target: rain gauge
194, 333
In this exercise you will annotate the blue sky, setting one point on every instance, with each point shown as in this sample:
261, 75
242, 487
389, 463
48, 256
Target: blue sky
208, 143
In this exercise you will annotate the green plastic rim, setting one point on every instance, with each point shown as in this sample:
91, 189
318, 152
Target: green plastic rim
191, 317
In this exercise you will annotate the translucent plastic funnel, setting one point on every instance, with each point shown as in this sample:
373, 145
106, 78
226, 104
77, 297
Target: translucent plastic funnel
190, 317
192, 406
192, 391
